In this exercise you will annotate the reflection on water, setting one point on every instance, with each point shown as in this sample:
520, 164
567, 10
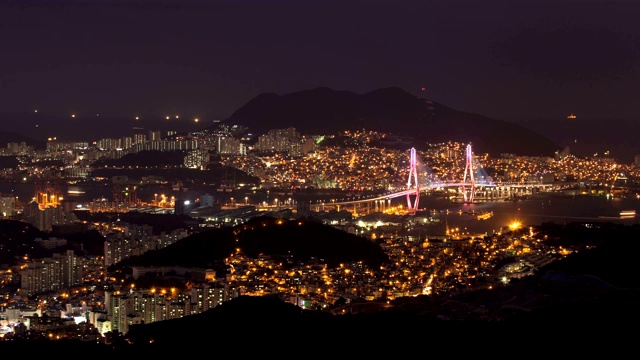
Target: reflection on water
535, 210
80, 193
75, 191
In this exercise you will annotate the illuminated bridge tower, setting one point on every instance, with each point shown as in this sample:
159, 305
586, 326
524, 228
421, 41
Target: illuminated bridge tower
412, 206
468, 186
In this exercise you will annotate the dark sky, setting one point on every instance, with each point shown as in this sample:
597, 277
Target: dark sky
510, 60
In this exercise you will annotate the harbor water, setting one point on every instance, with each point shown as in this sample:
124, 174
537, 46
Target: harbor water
534, 210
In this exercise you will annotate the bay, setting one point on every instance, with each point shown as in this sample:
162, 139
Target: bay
535, 210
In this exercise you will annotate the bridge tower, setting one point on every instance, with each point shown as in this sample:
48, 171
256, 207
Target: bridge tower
412, 206
468, 188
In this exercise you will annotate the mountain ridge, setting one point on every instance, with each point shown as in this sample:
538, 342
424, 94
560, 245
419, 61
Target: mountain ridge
7, 137
390, 110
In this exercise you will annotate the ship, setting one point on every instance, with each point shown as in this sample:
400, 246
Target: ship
627, 214
571, 116
484, 216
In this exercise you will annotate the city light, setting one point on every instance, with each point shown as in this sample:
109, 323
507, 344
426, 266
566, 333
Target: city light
515, 225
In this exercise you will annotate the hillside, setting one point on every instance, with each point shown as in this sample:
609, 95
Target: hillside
582, 303
18, 238
584, 294
390, 110
289, 240
10, 137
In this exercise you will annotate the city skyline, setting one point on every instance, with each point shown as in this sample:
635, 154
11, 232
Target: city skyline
120, 237
582, 138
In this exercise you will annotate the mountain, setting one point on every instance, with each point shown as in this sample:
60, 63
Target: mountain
586, 137
18, 238
389, 110
10, 137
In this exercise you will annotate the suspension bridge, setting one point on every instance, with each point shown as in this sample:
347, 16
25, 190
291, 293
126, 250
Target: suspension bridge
474, 181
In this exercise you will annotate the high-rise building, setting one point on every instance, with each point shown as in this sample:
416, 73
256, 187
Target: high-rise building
62, 270
230, 145
139, 139
7, 205
196, 159
279, 140
155, 136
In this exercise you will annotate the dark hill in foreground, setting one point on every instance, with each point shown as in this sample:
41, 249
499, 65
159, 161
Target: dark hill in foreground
288, 240
585, 304
389, 110
267, 324
590, 294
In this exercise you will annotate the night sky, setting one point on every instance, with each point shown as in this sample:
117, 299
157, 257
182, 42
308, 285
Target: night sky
518, 61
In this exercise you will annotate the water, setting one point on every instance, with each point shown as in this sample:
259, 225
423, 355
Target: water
82, 193
542, 208
538, 209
